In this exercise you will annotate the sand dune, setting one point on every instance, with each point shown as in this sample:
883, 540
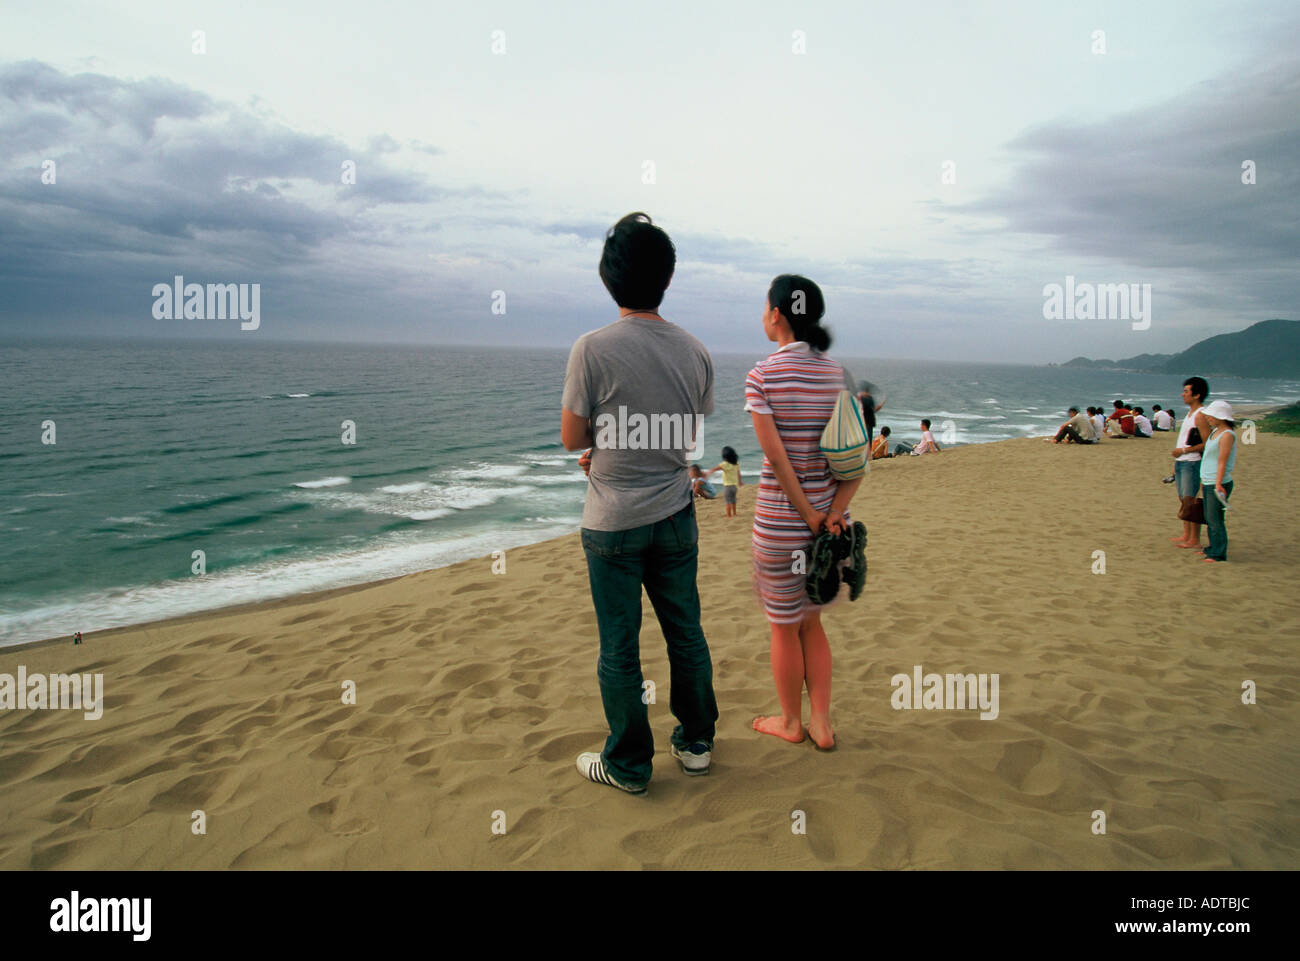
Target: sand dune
1118, 692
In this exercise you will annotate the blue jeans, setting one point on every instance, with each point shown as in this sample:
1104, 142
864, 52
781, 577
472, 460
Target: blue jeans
663, 557
1214, 522
1188, 475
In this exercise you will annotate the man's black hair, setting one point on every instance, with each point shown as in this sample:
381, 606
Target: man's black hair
637, 262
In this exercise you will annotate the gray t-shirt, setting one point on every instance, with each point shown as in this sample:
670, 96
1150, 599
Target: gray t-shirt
645, 384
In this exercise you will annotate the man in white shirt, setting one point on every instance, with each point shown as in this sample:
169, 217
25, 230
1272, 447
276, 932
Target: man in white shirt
1098, 421
1163, 419
928, 444
1141, 424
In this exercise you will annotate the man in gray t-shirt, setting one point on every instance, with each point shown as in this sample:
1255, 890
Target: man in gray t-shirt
635, 392
644, 383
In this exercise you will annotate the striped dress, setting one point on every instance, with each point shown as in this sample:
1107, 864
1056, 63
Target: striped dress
798, 386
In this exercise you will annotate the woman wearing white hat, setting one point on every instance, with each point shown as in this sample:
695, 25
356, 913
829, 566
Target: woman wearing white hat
1216, 475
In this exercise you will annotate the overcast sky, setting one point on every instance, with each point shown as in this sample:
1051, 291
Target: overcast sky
479, 170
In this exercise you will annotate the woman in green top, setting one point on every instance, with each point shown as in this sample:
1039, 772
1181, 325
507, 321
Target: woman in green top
1216, 475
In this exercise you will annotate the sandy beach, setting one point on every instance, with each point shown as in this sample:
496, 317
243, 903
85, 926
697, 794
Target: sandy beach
1119, 692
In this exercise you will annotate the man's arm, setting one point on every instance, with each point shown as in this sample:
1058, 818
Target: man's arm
1203, 426
575, 431
575, 400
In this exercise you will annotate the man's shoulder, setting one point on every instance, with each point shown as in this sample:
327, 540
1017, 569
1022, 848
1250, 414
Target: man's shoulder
688, 341
594, 338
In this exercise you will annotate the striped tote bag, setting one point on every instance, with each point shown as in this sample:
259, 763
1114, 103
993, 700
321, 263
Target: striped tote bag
844, 441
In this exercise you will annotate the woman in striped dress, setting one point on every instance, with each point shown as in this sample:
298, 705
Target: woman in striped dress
790, 396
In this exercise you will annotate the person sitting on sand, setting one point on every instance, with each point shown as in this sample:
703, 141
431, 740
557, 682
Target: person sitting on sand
1120, 422
928, 444
1141, 424
700, 486
880, 446
1077, 430
1098, 418
1216, 475
638, 521
791, 396
1161, 419
731, 479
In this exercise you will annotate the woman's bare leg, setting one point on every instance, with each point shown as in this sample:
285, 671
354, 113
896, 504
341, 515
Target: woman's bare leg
787, 671
817, 673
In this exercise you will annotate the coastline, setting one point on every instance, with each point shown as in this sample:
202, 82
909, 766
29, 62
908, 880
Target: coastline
1251, 411
475, 692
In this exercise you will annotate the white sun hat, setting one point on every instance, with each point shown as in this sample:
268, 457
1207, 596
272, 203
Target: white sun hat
1220, 410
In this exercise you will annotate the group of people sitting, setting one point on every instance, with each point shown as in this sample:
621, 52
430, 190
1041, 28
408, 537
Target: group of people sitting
927, 445
880, 442
1203, 458
1124, 421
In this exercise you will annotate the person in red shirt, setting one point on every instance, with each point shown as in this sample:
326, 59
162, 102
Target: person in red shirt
1120, 423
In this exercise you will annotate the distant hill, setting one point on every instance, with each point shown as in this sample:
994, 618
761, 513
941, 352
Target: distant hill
1140, 362
1088, 362
1270, 348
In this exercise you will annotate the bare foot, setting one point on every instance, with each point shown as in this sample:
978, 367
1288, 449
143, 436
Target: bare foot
1191, 544
823, 735
777, 726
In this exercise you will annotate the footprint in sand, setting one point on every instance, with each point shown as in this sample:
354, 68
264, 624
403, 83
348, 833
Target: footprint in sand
301, 618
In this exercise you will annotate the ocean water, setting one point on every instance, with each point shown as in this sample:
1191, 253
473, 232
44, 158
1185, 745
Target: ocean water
235, 450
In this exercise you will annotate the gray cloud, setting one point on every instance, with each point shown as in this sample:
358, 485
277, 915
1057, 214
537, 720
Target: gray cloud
154, 178
1161, 188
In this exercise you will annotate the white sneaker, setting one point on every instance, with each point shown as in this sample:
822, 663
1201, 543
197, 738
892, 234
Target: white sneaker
695, 759
593, 769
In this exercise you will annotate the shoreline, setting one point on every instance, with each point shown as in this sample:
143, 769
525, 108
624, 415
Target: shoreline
1252, 411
